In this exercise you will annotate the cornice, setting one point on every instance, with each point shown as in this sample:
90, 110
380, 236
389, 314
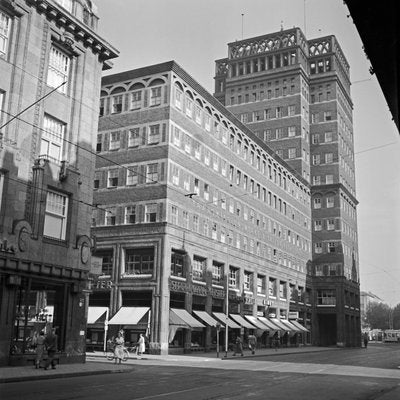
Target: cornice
75, 28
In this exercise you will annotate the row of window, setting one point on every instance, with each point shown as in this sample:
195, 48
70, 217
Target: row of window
261, 95
134, 100
255, 156
271, 231
193, 147
327, 179
133, 137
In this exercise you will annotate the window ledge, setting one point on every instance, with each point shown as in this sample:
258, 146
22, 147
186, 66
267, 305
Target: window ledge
178, 278
217, 286
199, 282
136, 276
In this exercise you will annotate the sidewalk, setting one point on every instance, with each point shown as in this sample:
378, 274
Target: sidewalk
96, 366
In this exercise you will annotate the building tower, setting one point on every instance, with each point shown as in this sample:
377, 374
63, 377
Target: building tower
294, 94
51, 60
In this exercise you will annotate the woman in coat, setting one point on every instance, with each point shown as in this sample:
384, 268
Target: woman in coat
141, 345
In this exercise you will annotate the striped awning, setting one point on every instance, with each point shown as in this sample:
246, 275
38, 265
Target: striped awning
207, 318
258, 324
128, 315
269, 324
222, 318
280, 324
95, 313
298, 325
181, 317
241, 321
290, 325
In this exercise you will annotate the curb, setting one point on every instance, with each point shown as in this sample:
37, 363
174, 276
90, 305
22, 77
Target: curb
61, 375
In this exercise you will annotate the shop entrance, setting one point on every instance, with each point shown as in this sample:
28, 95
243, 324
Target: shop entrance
327, 329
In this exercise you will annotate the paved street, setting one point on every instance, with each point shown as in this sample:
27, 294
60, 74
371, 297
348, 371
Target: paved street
339, 374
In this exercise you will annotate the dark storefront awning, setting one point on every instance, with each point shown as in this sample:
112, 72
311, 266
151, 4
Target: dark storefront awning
298, 325
128, 315
241, 321
207, 318
180, 317
222, 318
256, 322
95, 313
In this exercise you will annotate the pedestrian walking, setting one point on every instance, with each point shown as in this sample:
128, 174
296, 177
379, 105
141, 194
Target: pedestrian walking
119, 347
141, 345
51, 344
252, 343
39, 349
366, 339
238, 346
277, 340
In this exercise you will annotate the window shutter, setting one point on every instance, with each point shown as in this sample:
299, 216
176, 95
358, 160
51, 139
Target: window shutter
145, 98
160, 216
165, 89
162, 166
106, 141
163, 132
126, 106
144, 135
107, 106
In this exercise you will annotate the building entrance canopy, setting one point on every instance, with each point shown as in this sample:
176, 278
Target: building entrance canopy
222, 318
95, 313
181, 318
207, 318
128, 315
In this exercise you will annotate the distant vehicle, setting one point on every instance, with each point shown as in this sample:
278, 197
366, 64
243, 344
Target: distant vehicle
391, 335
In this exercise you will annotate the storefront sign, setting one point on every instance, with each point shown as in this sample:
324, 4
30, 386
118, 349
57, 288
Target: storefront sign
199, 290
95, 265
293, 315
106, 285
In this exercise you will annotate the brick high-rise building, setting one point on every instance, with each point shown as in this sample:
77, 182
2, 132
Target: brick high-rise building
294, 94
51, 60
196, 218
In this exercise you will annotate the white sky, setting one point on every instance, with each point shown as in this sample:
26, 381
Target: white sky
195, 33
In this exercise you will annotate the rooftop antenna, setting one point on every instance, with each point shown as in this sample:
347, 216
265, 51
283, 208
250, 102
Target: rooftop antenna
305, 19
242, 26
281, 25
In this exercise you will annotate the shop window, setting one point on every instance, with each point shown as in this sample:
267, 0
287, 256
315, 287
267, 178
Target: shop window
139, 261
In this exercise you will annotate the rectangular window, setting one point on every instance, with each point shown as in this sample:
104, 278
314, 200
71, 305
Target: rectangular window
185, 219
315, 138
155, 96
328, 137
178, 98
51, 144
196, 223
217, 269
116, 104
316, 159
331, 247
248, 281
199, 268
326, 297
318, 248
328, 158
318, 225
197, 114
130, 215
330, 202
260, 284
58, 69
55, 219
132, 175
136, 100
115, 140
139, 261
174, 215
112, 180
233, 277
331, 225
272, 287
154, 134
291, 131
101, 107
110, 218
152, 173
278, 113
189, 107
5, 27
317, 202
134, 137
151, 212
329, 179
197, 150
107, 261
282, 290
316, 180
292, 152
327, 116
177, 264
187, 143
